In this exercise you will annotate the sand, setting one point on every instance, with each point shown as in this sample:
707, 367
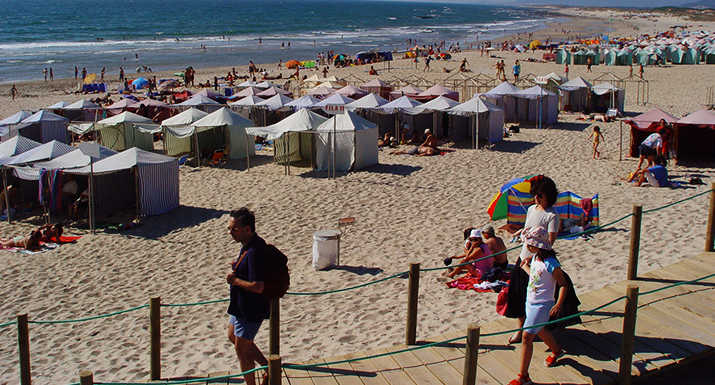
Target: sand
407, 209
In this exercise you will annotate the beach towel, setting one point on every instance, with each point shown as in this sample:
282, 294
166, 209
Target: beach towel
470, 282
44, 246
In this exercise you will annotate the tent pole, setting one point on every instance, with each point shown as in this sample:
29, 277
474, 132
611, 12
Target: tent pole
136, 189
248, 152
7, 194
49, 210
620, 140
91, 195
196, 142
476, 129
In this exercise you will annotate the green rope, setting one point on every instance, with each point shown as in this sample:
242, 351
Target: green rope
677, 284
677, 202
89, 318
8, 324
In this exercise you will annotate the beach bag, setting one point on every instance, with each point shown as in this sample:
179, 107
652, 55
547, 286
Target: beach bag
277, 280
502, 300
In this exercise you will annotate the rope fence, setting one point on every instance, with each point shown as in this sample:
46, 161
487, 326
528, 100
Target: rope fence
413, 274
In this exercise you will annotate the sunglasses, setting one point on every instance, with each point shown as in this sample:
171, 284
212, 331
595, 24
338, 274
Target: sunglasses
233, 228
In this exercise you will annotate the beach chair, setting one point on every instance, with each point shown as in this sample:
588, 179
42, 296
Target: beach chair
216, 158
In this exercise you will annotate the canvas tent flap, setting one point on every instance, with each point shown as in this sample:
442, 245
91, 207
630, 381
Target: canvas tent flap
302, 120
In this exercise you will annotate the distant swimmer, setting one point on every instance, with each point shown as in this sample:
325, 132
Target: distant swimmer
136, 56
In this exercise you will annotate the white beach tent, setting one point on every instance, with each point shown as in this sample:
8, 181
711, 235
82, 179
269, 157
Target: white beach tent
57, 106
368, 101
121, 106
305, 101
178, 131
226, 129
82, 110
538, 105
437, 107
44, 126
151, 180
489, 121
291, 145
275, 103
355, 143
16, 145
366, 107
8, 126
575, 95
247, 101
610, 96
504, 96
43, 152
72, 160
119, 132
335, 100
201, 102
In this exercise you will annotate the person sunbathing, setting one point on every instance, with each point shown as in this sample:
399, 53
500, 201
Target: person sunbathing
27, 242
50, 231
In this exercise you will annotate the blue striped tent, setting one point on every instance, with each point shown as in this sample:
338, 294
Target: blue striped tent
155, 179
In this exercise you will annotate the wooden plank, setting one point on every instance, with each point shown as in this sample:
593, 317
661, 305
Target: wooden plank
321, 375
642, 344
367, 371
297, 376
447, 373
662, 324
414, 367
343, 373
650, 344
391, 369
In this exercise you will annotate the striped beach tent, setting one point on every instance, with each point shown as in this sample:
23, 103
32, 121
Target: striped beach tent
151, 180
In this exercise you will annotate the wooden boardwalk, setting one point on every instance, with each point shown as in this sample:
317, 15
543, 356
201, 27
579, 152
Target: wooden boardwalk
673, 325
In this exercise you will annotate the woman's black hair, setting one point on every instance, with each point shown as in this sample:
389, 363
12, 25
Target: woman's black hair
542, 254
546, 186
467, 232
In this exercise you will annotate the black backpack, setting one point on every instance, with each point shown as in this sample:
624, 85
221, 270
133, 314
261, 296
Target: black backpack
277, 280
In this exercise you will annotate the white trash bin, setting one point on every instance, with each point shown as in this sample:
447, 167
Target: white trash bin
326, 249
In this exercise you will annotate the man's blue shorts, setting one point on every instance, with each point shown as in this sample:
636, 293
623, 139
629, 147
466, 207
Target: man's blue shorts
244, 329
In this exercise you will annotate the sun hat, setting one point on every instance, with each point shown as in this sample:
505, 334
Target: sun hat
488, 229
427, 131
536, 236
476, 233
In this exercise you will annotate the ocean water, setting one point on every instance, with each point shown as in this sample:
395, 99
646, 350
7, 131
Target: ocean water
167, 34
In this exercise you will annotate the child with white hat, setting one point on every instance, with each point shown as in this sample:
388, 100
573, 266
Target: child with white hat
544, 273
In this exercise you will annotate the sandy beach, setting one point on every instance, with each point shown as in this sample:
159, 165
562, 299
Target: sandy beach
407, 209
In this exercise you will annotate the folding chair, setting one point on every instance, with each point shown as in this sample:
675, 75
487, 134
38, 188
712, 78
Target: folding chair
217, 157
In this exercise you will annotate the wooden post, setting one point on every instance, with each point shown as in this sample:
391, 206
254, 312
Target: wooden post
711, 221
86, 378
23, 340
413, 292
155, 345
635, 242
274, 328
629, 333
471, 355
274, 369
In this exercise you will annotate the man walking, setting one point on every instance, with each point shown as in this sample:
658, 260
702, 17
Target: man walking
247, 308
13, 91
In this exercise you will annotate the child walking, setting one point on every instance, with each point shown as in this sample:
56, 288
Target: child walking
597, 139
544, 273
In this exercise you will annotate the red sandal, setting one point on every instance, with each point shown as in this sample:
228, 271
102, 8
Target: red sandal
551, 360
521, 380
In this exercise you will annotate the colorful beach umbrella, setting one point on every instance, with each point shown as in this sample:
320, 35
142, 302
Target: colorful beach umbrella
293, 64
514, 193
